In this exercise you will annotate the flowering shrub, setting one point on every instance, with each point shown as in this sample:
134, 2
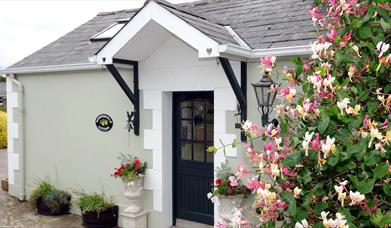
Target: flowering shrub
3, 130
131, 168
228, 183
327, 162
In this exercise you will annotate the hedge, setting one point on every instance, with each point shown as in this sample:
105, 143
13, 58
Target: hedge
3, 130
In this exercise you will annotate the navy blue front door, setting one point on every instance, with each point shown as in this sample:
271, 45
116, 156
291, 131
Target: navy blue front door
193, 166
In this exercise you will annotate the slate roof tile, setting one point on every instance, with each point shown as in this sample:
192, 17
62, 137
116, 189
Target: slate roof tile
261, 23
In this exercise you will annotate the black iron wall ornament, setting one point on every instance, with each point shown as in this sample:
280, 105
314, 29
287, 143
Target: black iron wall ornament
130, 121
265, 95
104, 122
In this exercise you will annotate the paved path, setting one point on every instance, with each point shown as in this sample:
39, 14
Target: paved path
16, 214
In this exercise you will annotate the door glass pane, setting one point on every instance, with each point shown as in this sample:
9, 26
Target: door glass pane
186, 110
186, 151
209, 129
199, 151
186, 139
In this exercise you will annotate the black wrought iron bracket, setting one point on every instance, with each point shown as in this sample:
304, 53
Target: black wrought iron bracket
134, 97
240, 91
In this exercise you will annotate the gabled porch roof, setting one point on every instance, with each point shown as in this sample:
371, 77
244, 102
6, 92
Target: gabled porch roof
158, 20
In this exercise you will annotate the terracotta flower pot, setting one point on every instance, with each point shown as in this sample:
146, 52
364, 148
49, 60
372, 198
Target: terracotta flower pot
107, 218
227, 205
44, 209
4, 184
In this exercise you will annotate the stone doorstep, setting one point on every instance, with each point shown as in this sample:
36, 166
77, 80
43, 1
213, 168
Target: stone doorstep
180, 223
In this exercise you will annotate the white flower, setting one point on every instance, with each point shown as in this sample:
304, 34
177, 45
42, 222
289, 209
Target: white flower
303, 224
247, 125
382, 47
324, 215
338, 188
215, 200
356, 197
275, 170
296, 192
306, 141
342, 105
328, 145
232, 178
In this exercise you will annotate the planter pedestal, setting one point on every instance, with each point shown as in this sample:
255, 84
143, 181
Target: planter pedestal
135, 220
134, 216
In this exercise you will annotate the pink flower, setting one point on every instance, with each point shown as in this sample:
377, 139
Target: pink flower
234, 183
286, 171
332, 35
268, 62
345, 39
254, 184
315, 142
221, 224
316, 14
268, 146
306, 67
242, 170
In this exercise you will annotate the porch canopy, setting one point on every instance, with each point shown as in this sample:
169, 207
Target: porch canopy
153, 25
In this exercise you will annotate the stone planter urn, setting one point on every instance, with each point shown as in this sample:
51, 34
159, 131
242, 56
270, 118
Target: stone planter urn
227, 206
134, 191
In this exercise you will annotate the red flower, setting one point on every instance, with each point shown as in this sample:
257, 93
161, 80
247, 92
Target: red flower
217, 182
136, 168
231, 191
137, 161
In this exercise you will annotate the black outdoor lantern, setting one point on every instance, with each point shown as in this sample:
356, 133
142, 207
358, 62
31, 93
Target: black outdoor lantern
265, 98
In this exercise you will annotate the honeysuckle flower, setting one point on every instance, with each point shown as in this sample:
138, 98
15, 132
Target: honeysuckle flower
352, 71
342, 197
296, 192
247, 125
306, 141
382, 47
254, 183
242, 171
275, 170
316, 14
302, 224
266, 194
289, 93
356, 49
319, 49
286, 171
375, 134
345, 39
356, 198
338, 188
267, 63
328, 146
332, 35
339, 222
343, 105
354, 111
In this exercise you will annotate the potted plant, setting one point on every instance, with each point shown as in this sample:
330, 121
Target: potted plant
4, 184
50, 201
96, 210
228, 191
132, 172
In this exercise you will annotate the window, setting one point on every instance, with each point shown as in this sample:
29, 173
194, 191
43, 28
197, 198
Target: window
109, 32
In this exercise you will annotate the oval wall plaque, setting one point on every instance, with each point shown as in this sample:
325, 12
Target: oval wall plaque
104, 122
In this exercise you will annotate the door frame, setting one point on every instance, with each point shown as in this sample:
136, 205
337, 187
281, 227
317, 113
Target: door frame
175, 116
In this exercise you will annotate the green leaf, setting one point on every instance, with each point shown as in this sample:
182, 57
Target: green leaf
333, 159
381, 170
387, 189
386, 219
234, 143
291, 201
356, 148
320, 207
372, 158
386, 26
301, 214
377, 217
292, 159
365, 186
318, 190
365, 33
324, 123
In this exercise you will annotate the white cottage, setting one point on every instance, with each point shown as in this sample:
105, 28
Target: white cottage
183, 71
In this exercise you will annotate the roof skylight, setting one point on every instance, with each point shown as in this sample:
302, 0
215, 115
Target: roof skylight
109, 32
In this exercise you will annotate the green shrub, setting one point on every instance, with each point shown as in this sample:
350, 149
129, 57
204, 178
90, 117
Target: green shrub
94, 202
52, 197
3, 130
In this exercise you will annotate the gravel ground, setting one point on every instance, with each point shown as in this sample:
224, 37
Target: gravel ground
16, 214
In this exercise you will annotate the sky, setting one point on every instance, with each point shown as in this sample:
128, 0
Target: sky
26, 26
